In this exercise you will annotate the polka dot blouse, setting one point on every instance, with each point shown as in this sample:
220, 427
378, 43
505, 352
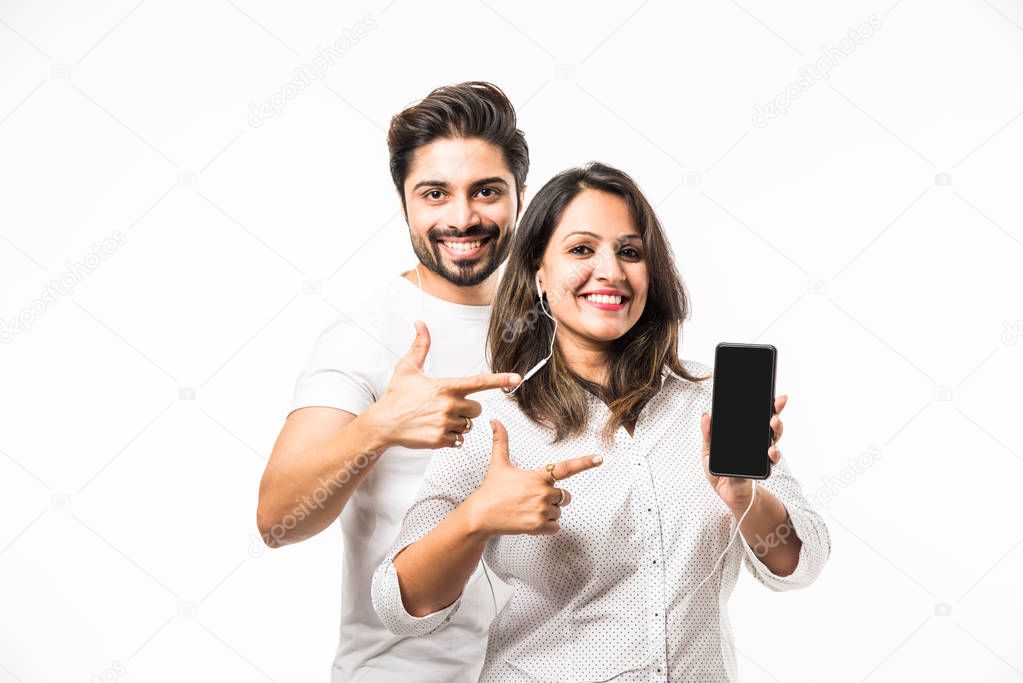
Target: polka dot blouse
608, 596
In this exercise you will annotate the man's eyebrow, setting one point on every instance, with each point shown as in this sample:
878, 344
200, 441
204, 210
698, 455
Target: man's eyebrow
622, 238
495, 180
431, 182
443, 184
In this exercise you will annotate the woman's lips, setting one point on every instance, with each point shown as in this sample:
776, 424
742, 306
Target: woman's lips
605, 302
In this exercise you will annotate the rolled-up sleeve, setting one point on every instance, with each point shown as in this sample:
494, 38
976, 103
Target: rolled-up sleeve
391, 610
804, 522
452, 475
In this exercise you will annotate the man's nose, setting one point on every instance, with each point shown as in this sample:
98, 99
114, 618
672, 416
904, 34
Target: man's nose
462, 215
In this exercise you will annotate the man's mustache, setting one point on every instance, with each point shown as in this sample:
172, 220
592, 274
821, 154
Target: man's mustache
436, 235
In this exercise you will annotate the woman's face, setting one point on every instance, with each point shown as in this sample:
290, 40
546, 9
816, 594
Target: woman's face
594, 271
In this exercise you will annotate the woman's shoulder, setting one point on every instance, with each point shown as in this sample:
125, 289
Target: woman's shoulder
698, 389
696, 368
503, 407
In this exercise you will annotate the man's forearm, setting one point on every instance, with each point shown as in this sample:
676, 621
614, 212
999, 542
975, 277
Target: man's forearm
433, 571
304, 497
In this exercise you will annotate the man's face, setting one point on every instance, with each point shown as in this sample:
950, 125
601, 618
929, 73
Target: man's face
461, 208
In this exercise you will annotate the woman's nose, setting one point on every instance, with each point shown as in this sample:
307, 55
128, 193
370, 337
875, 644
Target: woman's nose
608, 268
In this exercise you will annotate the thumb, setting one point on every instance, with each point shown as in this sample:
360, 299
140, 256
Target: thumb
499, 452
416, 355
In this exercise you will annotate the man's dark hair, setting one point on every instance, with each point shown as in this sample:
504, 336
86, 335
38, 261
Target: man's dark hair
474, 109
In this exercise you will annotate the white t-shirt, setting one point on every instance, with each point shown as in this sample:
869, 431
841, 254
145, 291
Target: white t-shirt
349, 368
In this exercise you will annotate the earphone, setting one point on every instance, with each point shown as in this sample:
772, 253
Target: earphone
422, 298
533, 370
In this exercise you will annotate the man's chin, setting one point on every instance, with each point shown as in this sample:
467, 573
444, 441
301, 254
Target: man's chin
466, 273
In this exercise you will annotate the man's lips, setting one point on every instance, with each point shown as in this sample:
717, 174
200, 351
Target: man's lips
464, 247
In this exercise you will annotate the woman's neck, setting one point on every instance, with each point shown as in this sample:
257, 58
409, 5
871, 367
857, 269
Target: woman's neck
584, 357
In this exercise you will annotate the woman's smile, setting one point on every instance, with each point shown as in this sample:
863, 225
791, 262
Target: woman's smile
605, 299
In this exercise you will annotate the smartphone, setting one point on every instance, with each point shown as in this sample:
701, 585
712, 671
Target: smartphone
741, 410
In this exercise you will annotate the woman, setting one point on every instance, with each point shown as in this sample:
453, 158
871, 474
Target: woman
625, 583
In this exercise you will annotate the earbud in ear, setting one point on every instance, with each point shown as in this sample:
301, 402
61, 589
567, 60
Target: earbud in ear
539, 292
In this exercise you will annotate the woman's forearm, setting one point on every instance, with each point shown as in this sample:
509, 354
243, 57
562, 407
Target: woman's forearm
768, 531
433, 571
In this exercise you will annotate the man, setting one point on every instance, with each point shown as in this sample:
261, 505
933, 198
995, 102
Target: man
357, 440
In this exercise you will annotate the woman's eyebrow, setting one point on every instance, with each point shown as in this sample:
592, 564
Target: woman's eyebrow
620, 238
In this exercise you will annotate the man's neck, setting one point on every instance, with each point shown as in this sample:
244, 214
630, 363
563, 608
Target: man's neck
434, 285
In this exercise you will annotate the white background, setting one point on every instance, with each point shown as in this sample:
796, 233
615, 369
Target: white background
138, 410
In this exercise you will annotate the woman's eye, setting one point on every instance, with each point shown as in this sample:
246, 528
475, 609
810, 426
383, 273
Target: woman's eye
630, 253
580, 250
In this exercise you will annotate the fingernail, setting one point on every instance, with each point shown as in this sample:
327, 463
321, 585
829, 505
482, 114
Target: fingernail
705, 413
514, 379
597, 460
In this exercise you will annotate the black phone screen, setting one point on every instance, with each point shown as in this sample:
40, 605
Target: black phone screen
743, 404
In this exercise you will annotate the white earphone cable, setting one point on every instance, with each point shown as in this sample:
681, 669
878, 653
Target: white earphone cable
422, 308
533, 370
729, 545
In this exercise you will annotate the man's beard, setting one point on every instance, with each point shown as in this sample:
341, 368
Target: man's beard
464, 272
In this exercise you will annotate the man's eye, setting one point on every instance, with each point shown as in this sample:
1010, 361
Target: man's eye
488, 192
434, 194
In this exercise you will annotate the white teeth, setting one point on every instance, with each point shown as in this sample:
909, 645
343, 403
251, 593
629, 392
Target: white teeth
604, 298
463, 246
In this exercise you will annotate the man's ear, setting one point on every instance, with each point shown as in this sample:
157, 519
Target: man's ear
404, 206
522, 199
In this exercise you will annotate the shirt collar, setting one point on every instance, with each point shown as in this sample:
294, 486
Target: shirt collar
668, 372
665, 374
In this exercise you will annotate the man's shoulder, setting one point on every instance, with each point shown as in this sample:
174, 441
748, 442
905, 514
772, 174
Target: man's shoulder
373, 319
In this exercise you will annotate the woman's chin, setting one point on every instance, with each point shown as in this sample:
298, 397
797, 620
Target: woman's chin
605, 334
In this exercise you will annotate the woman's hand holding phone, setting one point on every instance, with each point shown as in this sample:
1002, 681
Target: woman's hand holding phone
736, 492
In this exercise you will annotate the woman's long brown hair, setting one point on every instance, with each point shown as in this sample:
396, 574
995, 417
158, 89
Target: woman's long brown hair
519, 335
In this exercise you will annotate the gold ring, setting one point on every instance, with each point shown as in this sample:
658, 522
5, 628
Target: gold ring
562, 498
550, 471
468, 425
458, 440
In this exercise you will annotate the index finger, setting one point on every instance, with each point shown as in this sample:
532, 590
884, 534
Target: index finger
568, 468
470, 385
